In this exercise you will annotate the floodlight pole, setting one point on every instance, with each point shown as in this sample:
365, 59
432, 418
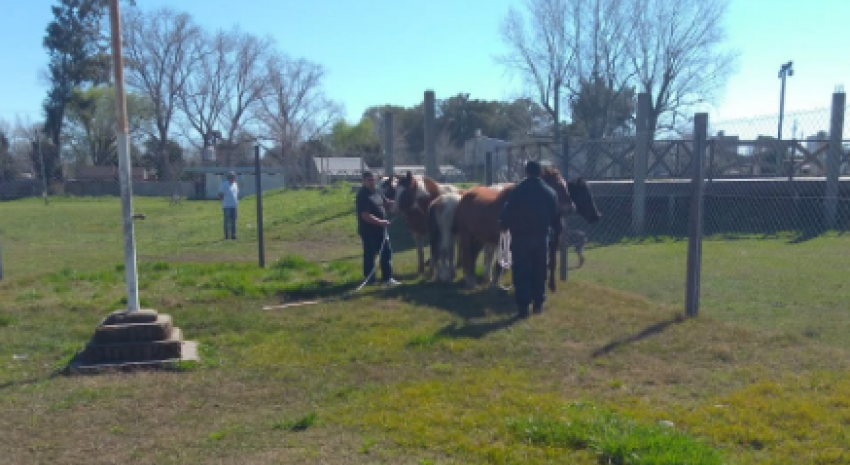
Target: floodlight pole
784, 71
124, 177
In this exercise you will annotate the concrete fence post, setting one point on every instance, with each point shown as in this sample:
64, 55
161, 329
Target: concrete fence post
694, 270
833, 158
488, 168
389, 165
431, 167
565, 172
641, 164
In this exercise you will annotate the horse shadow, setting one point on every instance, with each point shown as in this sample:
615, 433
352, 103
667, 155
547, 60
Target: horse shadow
482, 310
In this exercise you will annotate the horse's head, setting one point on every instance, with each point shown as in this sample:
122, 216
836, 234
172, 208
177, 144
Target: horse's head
387, 187
405, 192
583, 199
552, 177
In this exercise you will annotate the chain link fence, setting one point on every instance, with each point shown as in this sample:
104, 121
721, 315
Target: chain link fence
771, 222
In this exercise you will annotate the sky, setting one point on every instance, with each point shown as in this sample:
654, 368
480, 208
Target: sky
380, 52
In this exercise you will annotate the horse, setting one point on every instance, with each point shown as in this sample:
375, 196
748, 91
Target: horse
476, 220
442, 237
412, 197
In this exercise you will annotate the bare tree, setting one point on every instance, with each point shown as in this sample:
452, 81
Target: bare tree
248, 82
679, 54
226, 86
602, 75
205, 93
605, 48
542, 49
161, 54
294, 108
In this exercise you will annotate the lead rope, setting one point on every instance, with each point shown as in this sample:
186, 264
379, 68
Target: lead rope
505, 254
346, 294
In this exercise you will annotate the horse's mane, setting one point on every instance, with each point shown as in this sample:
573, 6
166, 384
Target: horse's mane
431, 187
552, 171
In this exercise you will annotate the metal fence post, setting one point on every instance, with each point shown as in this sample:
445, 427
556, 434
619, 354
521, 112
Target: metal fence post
833, 158
124, 162
692, 291
259, 184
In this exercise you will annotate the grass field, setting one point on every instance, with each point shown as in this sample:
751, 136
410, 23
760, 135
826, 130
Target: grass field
423, 373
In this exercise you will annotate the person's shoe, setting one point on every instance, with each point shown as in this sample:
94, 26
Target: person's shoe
522, 312
537, 308
391, 283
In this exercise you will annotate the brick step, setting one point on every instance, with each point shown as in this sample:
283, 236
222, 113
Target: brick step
165, 349
158, 330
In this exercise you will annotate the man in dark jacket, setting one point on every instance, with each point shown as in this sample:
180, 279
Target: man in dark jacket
372, 226
531, 215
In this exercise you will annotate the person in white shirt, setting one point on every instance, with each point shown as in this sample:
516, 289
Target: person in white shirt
228, 193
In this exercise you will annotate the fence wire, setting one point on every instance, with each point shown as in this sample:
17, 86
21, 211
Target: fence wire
770, 227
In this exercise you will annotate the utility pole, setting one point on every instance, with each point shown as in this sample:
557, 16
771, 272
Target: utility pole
123, 143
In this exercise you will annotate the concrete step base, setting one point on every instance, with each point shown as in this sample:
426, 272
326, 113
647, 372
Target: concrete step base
188, 353
136, 351
157, 330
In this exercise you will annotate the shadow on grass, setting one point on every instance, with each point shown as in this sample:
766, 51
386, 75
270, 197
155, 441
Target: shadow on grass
476, 330
31, 381
481, 303
645, 333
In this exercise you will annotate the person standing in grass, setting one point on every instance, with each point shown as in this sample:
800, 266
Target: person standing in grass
372, 226
228, 193
531, 215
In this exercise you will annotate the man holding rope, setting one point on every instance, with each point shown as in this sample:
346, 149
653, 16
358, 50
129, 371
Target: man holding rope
530, 212
372, 226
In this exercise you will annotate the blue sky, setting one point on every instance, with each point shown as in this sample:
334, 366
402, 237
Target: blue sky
389, 52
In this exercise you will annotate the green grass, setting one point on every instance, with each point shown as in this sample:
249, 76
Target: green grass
794, 288
423, 373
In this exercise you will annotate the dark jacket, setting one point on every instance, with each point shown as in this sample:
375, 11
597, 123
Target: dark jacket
531, 210
373, 203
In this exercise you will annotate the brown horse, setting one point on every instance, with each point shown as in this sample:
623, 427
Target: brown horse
476, 220
412, 197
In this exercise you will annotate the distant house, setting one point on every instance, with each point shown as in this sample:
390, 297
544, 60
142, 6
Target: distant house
340, 167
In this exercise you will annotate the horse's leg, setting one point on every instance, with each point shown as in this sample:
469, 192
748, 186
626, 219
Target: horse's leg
488, 263
495, 268
434, 260
467, 259
420, 252
450, 253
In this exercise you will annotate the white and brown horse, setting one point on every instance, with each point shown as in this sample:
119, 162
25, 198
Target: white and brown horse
476, 220
413, 196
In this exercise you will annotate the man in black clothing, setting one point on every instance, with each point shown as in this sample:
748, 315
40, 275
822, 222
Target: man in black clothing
371, 225
531, 215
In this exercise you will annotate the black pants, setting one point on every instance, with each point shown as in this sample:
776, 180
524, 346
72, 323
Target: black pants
371, 246
529, 271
